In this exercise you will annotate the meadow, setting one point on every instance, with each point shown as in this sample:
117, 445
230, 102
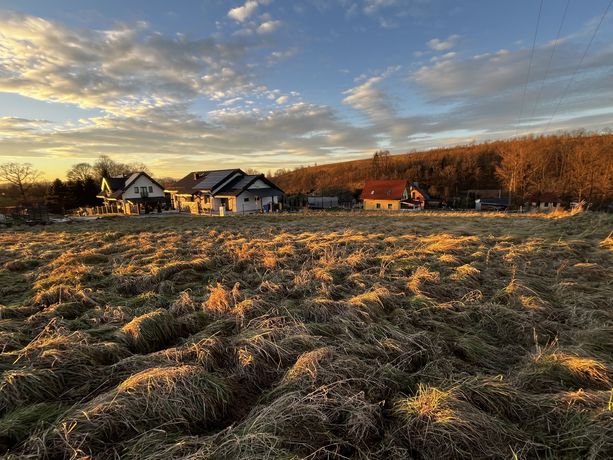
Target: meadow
308, 336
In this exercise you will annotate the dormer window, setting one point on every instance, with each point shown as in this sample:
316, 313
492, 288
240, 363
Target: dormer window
372, 192
389, 192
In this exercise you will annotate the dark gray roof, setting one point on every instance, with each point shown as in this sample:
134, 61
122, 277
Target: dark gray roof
425, 194
236, 186
116, 183
214, 178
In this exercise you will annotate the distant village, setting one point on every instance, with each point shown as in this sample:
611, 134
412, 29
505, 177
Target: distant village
232, 191
533, 174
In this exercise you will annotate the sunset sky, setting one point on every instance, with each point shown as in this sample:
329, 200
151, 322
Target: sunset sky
270, 84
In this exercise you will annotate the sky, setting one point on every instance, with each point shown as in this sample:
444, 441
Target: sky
269, 84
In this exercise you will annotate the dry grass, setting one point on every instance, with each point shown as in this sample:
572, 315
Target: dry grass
332, 336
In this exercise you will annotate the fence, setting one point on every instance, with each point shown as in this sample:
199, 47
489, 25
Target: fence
37, 214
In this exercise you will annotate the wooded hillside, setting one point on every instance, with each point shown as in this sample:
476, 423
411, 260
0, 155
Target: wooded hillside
573, 166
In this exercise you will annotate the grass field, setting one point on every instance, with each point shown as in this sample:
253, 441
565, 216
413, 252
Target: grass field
325, 336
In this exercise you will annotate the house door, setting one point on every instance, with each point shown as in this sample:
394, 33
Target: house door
225, 203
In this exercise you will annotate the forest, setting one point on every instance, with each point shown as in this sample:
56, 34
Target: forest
573, 166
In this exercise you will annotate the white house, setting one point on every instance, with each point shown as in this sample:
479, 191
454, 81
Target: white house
232, 189
135, 189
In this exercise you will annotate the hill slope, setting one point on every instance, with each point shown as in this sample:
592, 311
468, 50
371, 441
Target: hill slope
577, 166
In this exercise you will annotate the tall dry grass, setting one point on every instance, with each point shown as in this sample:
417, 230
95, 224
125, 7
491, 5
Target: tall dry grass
431, 335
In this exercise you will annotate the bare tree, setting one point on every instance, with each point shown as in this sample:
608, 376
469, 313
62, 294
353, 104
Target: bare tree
80, 172
21, 175
107, 167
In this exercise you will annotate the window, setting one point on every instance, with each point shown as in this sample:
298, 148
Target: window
246, 199
150, 189
389, 206
135, 189
378, 205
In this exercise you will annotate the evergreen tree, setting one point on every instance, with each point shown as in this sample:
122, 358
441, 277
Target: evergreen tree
57, 196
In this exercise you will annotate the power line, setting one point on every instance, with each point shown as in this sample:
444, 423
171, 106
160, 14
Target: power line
555, 45
572, 78
523, 98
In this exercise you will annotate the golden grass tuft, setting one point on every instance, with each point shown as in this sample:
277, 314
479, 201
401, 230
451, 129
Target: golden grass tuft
219, 300
151, 331
179, 398
550, 370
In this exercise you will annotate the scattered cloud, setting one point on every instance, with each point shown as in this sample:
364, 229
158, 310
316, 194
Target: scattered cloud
242, 13
438, 44
268, 27
369, 98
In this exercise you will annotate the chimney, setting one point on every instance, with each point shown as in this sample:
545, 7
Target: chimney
196, 175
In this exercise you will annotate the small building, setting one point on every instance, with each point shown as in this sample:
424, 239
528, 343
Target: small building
420, 198
133, 191
385, 194
232, 190
492, 204
316, 201
544, 202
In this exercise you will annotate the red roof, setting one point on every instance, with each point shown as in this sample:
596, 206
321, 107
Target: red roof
384, 189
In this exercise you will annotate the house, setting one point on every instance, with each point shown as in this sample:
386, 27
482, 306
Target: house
384, 194
131, 192
492, 204
544, 201
226, 190
419, 198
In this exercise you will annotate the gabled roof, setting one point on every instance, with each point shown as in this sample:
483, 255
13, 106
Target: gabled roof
240, 184
415, 186
203, 180
392, 189
119, 184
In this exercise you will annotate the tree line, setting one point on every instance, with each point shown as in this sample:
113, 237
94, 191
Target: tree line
82, 184
573, 166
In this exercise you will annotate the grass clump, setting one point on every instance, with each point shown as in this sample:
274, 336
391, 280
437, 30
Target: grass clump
178, 398
151, 331
550, 370
16, 426
441, 423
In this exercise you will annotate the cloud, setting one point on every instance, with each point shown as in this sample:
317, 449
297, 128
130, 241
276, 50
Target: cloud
486, 90
282, 100
438, 44
122, 70
367, 97
242, 13
268, 27
373, 6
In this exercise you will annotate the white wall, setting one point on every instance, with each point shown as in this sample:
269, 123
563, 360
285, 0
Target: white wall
243, 206
143, 181
259, 184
